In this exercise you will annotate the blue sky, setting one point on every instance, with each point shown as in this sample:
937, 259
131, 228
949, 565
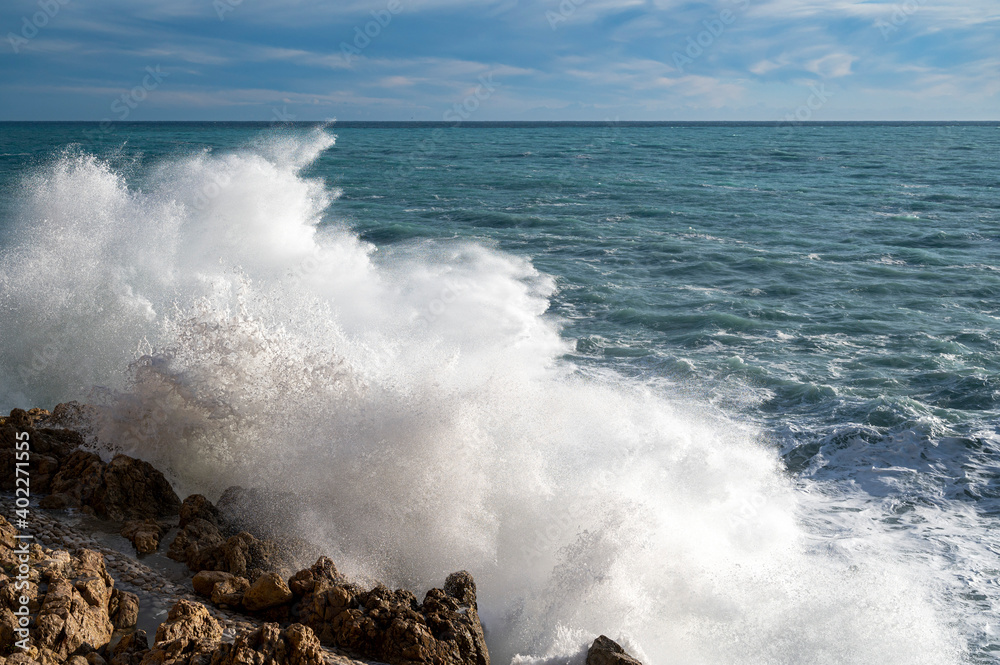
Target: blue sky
499, 60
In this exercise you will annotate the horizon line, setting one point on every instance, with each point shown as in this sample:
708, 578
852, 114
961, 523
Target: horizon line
494, 123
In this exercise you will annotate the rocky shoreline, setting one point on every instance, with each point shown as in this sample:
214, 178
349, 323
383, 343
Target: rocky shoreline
220, 592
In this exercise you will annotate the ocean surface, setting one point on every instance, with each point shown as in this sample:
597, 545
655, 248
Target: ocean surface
729, 393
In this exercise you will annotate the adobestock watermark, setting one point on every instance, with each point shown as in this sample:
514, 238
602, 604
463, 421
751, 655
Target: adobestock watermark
439, 305
817, 99
455, 116
365, 34
566, 9
223, 7
900, 16
21, 521
715, 27
123, 106
281, 117
31, 26
43, 358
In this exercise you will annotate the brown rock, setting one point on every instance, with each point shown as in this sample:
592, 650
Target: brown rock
323, 574
74, 616
392, 627
80, 475
134, 489
125, 488
605, 651
204, 582
223, 588
145, 535
243, 555
194, 538
130, 649
296, 645
230, 592
94, 658
190, 621
123, 609
269, 590
189, 636
197, 506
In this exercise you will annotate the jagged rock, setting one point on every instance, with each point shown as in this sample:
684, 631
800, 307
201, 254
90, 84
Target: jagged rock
323, 574
223, 588
125, 488
21, 419
79, 478
391, 626
123, 609
295, 645
204, 582
605, 651
243, 555
189, 635
94, 658
268, 591
230, 592
73, 616
69, 598
130, 649
197, 506
194, 538
134, 489
191, 621
145, 535
56, 564
48, 447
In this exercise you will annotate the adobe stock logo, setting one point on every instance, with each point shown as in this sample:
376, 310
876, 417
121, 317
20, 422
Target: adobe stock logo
40, 19
715, 27
363, 35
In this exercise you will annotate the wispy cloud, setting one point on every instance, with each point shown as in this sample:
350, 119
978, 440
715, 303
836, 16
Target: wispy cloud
936, 58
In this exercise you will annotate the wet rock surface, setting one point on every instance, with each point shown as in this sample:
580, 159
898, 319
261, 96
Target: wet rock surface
91, 601
605, 651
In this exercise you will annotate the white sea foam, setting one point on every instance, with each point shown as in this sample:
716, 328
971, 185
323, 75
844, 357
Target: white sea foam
415, 401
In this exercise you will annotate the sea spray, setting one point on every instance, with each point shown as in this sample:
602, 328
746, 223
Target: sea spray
416, 445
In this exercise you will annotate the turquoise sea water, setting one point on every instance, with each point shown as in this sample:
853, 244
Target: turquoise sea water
835, 289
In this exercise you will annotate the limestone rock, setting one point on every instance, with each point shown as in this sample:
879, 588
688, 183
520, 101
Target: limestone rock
204, 581
79, 478
392, 627
197, 506
194, 538
190, 621
48, 447
73, 616
243, 555
223, 588
123, 609
269, 590
125, 488
130, 649
134, 489
323, 574
230, 592
295, 645
145, 535
605, 651
189, 636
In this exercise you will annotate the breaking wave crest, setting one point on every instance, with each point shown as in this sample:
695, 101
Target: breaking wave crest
416, 403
